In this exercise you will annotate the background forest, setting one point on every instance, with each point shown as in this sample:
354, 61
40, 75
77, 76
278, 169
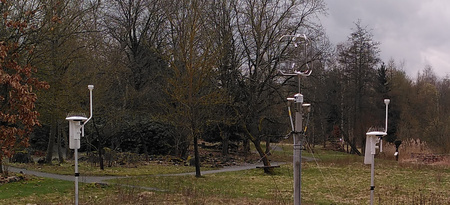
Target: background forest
168, 73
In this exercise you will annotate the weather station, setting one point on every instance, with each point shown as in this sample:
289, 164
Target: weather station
374, 137
293, 69
76, 131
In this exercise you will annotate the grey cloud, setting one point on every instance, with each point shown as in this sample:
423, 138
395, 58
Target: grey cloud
412, 31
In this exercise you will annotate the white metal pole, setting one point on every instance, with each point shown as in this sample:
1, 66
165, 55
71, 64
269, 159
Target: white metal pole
297, 157
298, 147
76, 176
90, 87
386, 101
298, 132
372, 179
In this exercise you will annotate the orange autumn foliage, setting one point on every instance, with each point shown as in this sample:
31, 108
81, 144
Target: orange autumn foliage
17, 109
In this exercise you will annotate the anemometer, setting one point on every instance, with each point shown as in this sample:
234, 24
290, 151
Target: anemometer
293, 70
374, 138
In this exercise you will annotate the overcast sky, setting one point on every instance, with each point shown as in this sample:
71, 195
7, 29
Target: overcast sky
416, 32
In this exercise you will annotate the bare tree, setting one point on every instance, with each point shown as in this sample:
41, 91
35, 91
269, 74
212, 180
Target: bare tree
259, 26
192, 54
228, 78
359, 58
138, 30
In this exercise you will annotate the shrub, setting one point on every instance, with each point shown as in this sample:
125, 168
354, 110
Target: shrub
152, 138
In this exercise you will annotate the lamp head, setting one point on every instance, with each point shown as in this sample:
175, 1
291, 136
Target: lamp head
387, 101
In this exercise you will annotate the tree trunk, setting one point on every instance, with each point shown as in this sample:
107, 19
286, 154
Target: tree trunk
144, 146
100, 155
268, 145
69, 153
225, 143
51, 142
346, 142
1, 165
181, 146
197, 158
60, 154
262, 154
246, 147
256, 141
352, 145
100, 145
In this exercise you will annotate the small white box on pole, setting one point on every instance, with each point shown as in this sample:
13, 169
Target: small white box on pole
75, 131
372, 138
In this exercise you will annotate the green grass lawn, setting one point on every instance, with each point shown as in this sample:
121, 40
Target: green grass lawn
34, 186
39, 190
32, 189
335, 178
325, 183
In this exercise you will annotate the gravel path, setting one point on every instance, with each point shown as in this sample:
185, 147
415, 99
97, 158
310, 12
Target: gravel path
225, 169
102, 179
81, 178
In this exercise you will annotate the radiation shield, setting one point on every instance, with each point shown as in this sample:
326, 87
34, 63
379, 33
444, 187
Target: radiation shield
372, 138
75, 130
